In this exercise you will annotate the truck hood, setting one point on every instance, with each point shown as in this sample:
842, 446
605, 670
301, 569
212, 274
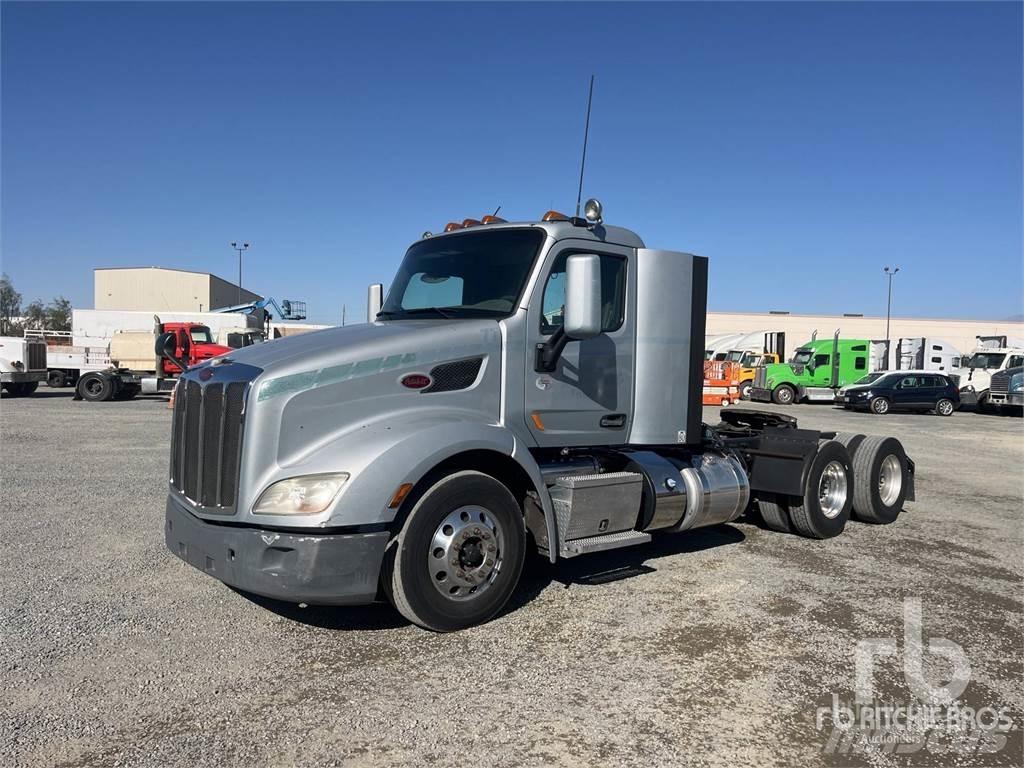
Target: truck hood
783, 372
414, 341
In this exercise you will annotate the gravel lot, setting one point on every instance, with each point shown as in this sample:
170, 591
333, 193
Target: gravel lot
716, 650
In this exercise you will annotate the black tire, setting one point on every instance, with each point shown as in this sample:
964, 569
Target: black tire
880, 406
56, 379
945, 407
29, 387
95, 387
127, 392
745, 388
810, 518
879, 484
411, 572
784, 395
13, 389
775, 515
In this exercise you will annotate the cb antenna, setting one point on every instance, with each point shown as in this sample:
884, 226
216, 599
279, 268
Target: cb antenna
586, 135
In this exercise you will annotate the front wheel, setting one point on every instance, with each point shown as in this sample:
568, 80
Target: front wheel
459, 554
880, 405
784, 395
745, 390
944, 407
95, 387
56, 379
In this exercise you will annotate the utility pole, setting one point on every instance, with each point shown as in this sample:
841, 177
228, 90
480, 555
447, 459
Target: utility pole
240, 248
343, 315
888, 306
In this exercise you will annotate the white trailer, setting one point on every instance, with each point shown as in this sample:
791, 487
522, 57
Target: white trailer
924, 353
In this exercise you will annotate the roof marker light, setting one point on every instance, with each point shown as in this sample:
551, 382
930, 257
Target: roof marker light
555, 216
451, 226
471, 222
488, 219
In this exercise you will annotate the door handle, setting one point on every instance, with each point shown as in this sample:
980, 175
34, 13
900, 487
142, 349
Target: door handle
614, 421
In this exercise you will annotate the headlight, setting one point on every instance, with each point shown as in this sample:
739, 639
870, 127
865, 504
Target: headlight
968, 388
18, 365
304, 495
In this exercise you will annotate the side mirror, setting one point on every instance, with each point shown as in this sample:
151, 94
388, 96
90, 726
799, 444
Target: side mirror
166, 348
374, 301
583, 296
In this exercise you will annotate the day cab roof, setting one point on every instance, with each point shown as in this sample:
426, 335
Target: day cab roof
827, 344
555, 225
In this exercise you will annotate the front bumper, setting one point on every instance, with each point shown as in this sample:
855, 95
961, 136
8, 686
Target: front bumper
968, 397
22, 377
299, 567
1007, 398
761, 394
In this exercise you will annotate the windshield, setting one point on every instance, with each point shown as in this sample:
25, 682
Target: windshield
868, 379
200, 335
751, 360
735, 356
986, 360
802, 357
478, 274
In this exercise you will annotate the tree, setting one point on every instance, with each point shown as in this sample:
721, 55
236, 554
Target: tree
58, 315
10, 306
35, 315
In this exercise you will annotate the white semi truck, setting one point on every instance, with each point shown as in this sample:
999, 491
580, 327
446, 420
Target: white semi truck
22, 364
992, 354
525, 385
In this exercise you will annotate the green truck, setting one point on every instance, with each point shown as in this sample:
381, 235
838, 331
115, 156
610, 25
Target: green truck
818, 369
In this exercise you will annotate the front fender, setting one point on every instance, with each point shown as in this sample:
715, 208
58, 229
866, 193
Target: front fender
403, 448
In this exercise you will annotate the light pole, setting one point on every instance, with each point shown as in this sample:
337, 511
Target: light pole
888, 306
245, 247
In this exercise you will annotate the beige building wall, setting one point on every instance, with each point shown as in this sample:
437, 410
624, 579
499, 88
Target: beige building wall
163, 290
798, 328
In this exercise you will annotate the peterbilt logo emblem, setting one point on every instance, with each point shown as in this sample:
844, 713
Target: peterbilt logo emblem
206, 373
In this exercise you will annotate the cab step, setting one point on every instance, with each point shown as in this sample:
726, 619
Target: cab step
601, 543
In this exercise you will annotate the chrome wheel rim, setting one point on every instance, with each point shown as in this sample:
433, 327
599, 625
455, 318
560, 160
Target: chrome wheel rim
945, 407
890, 480
832, 489
881, 406
785, 395
464, 558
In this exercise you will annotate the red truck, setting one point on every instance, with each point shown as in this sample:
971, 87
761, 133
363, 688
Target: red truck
146, 362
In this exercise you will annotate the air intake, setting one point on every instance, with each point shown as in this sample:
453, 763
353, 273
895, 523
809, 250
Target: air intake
449, 377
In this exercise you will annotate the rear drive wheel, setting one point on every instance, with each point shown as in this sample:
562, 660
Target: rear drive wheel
56, 379
880, 405
745, 390
881, 479
95, 387
775, 515
784, 394
945, 407
459, 554
825, 507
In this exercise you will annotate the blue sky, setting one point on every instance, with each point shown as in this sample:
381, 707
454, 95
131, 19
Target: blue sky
801, 146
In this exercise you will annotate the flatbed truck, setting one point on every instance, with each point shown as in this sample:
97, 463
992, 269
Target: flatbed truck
531, 385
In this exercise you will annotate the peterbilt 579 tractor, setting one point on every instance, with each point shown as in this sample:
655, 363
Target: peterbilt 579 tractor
525, 385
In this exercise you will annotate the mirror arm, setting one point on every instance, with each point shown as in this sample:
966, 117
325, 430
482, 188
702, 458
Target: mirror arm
549, 351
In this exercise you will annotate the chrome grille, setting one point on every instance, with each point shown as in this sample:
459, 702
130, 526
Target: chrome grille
206, 441
761, 378
1000, 383
36, 357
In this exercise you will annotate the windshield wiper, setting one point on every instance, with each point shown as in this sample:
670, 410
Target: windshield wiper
418, 311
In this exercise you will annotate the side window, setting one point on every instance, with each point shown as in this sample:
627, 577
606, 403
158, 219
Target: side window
613, 294
860, 363
909, 382
820, 360
936, 359
1015, 361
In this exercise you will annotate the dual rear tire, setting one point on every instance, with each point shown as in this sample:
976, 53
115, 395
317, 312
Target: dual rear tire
867, 478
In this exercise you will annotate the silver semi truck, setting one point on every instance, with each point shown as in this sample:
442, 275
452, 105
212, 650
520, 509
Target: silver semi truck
525, 385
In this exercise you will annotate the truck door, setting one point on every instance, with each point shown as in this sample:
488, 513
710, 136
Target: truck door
588, 398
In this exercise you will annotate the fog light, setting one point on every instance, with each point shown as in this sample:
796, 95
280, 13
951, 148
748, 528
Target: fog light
304, 495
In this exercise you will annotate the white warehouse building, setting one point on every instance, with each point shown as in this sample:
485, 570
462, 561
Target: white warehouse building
961, 334
156, 289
